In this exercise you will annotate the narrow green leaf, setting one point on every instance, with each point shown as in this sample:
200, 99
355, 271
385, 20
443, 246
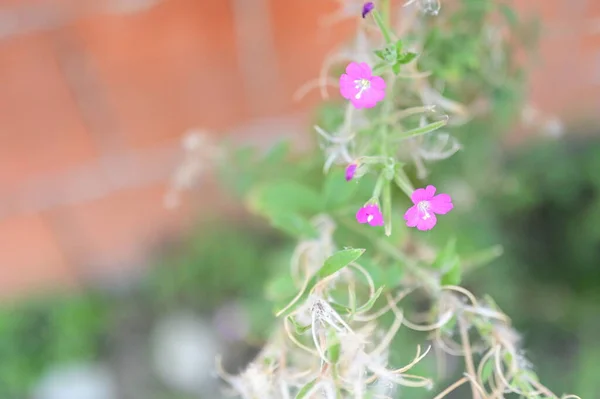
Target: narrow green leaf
399, 46
381, 54
306, 389
488, 368
367, 306
445, 256
405, 58
396, 68
299, 299
339, 260
419, 131
453, 276
482, 258
300, 329
340, 308
334, 352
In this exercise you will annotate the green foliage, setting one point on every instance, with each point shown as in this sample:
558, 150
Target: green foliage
339, 260
37, 333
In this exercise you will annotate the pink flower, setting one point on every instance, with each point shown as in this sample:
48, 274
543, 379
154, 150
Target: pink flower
350, 171
371, 214
426, 204
360, 86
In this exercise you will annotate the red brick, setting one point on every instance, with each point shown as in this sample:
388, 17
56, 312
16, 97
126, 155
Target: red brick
167, 69
40, 128
117, 234
303, 42
30, 258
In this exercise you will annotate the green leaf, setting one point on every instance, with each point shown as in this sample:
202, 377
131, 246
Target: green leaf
396, 68
339, 260
405, 58
332, 264
294, 224
333, 346
419, 131
367, 306
399, 46
306, 389
290, 307
453, 276
336, 190
300, 329
381, 54
488, 368
446, 256
340, 308
283, 197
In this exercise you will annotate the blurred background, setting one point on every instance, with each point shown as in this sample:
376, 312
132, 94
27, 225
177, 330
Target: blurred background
107, 292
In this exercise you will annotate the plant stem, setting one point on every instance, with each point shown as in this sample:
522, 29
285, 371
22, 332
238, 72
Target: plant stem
464, 337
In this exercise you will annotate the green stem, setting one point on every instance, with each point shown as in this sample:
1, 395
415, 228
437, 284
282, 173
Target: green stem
387, 208
384, 5
383, 27
429, 281
379, 185
403, 181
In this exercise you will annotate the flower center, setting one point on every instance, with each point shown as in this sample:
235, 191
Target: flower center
361, 85
423, 207
369, 218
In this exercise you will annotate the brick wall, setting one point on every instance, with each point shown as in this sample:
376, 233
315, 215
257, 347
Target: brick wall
96, 95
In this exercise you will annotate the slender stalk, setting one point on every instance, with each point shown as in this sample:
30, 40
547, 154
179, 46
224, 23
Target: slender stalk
464, 337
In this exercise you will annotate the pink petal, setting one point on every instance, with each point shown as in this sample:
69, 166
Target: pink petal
430, 191
377, 219
441, 203
371, 97
347, 87
366, 70
354, 70
362, 215
422, 194
412, 216
427, 224
378, 83
359, 103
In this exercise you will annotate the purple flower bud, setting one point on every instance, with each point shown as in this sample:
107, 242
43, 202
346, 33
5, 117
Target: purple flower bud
350, 171
367, 8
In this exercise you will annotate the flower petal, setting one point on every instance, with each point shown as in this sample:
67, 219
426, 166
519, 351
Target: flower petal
362, 216
427, 224
422, 194
347, 87
354, 70
418, 195
367, 73
378, 83
371, 97
412, 216
441, 203
377, 219
350, 171
430, 191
